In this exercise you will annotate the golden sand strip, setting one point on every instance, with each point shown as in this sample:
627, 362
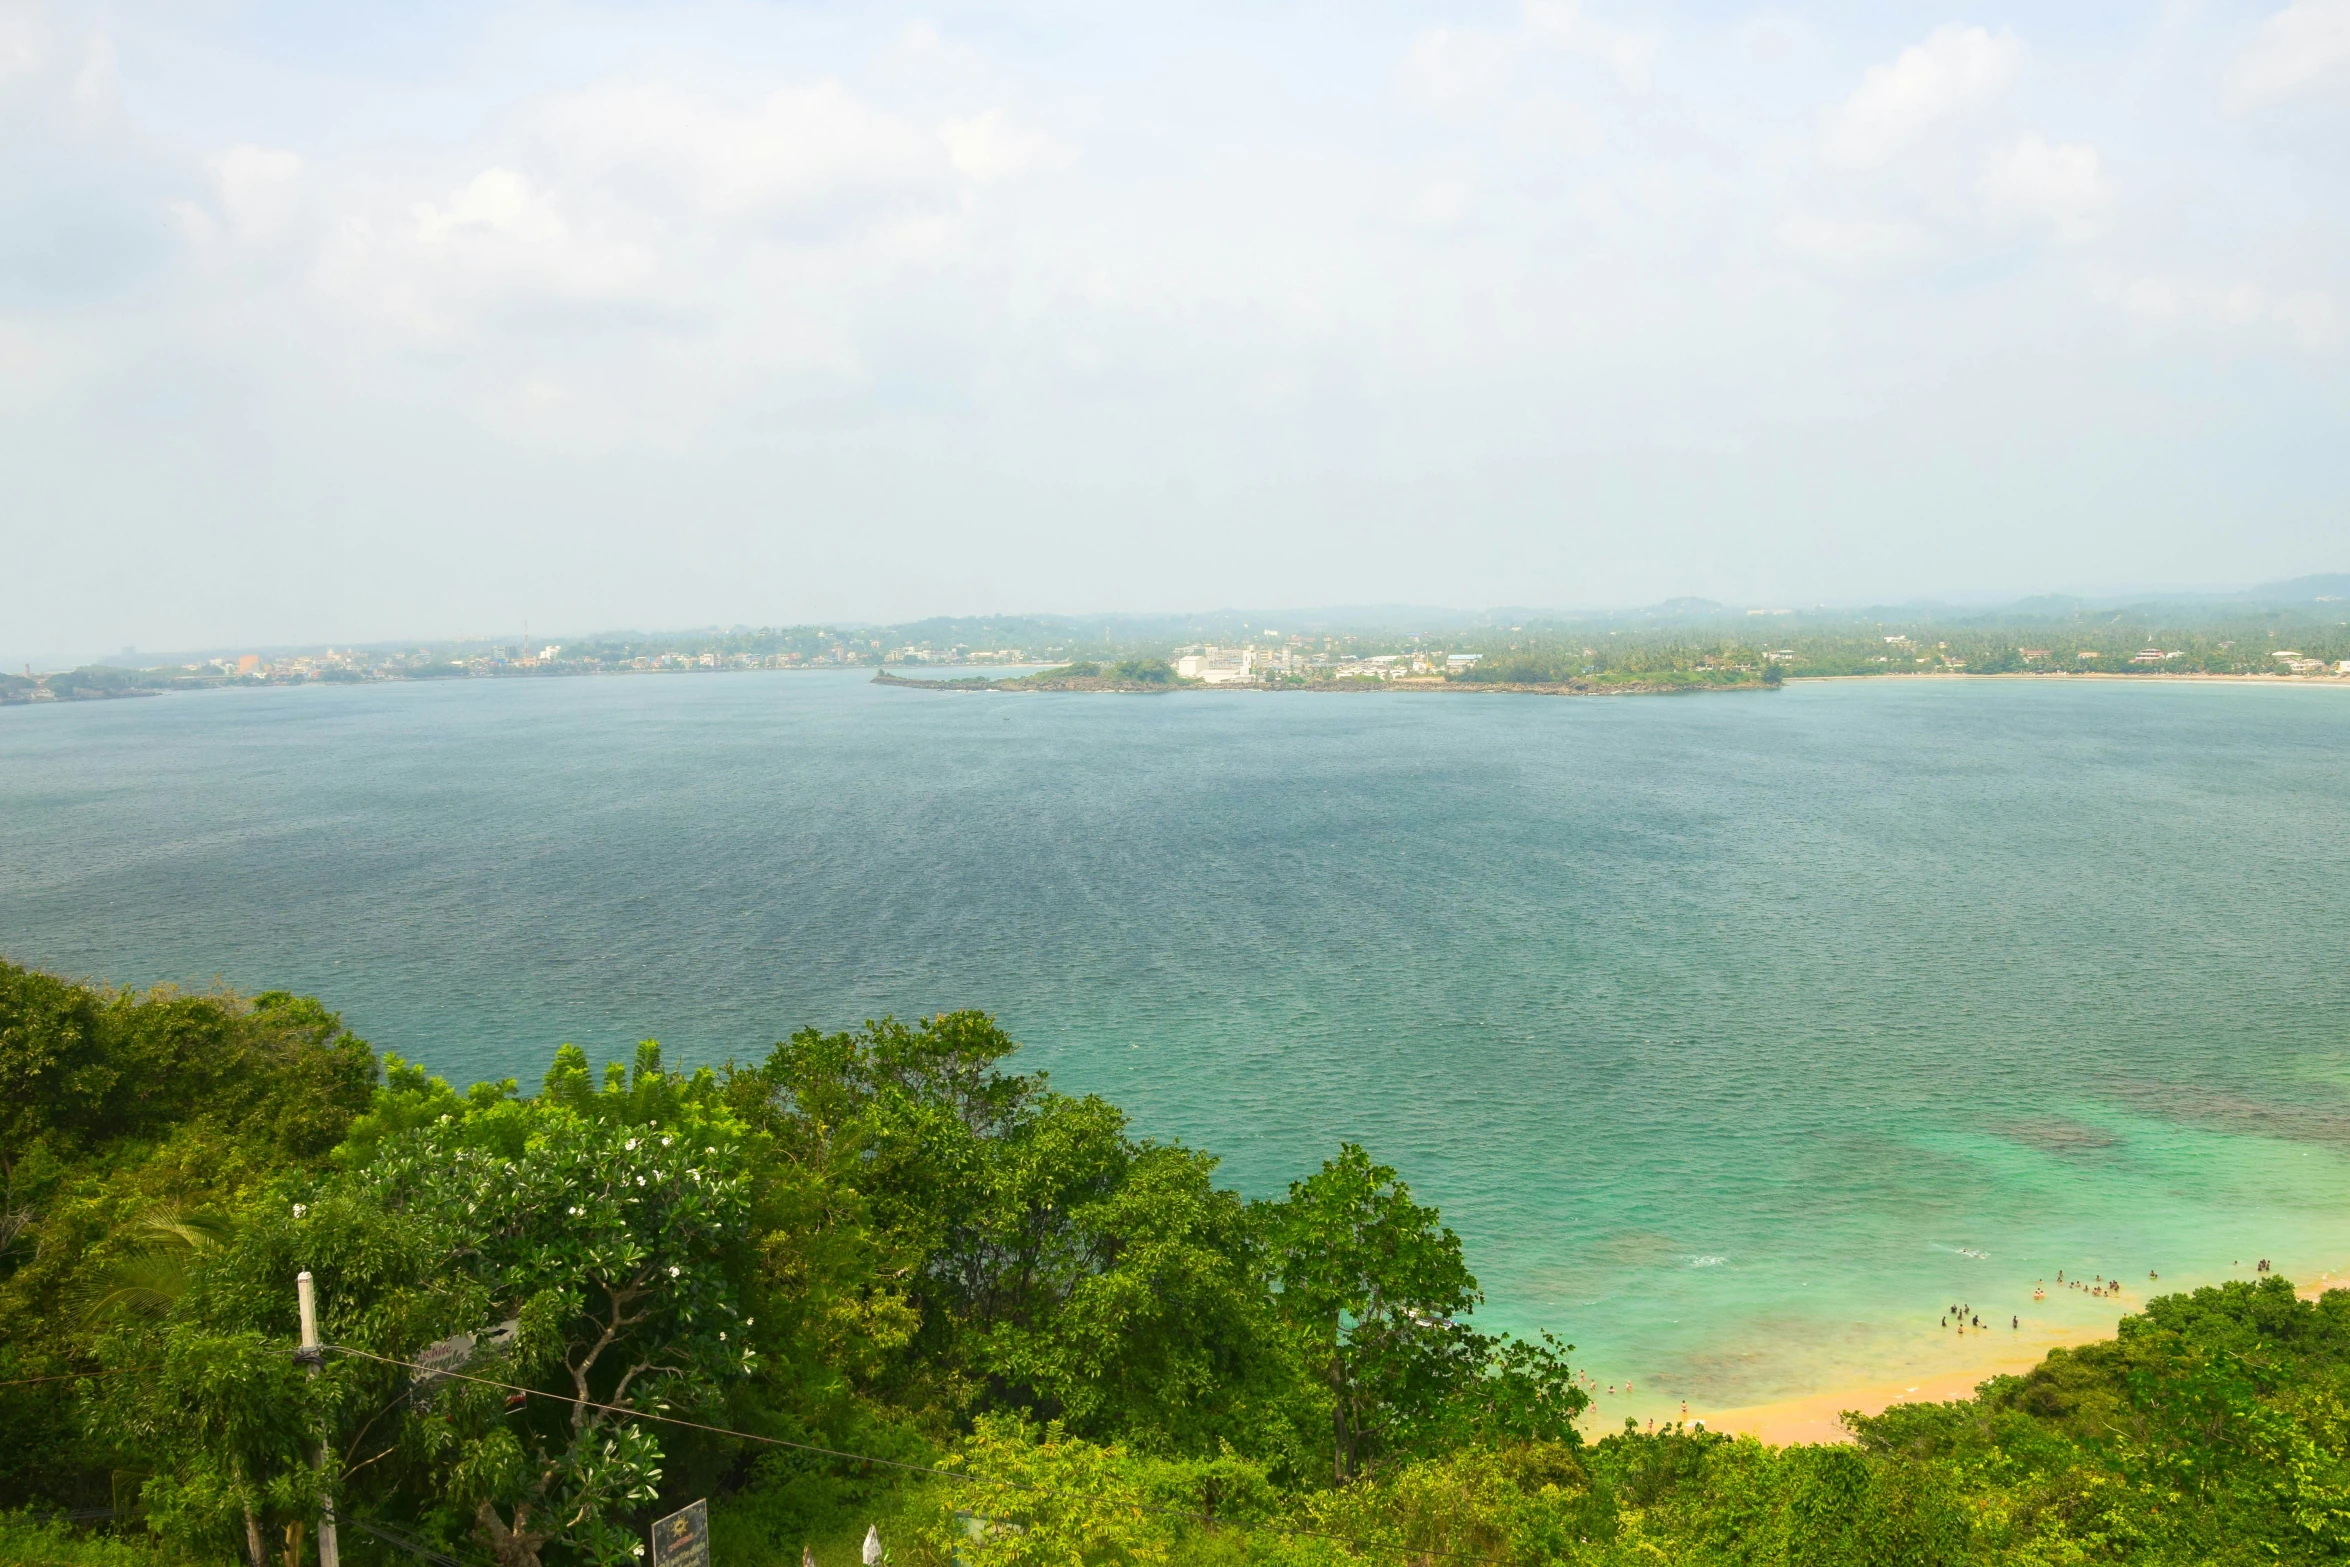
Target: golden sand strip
1816, 1417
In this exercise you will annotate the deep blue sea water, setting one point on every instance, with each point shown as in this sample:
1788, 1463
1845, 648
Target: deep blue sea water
1723, 1028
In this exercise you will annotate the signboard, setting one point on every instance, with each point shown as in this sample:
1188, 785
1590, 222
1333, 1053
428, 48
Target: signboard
683, 1538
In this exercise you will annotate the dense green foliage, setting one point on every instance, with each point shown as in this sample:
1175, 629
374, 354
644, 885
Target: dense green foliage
884, 1242
1699, 646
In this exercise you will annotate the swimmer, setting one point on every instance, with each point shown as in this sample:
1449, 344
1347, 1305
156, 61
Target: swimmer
2151, 1274
2015, 1322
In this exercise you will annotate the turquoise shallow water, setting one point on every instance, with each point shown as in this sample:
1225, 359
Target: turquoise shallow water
1723, 1028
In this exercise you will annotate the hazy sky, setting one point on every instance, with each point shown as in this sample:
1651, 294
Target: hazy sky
320, 321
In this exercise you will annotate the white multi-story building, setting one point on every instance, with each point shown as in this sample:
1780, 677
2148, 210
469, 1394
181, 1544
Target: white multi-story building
1218, 666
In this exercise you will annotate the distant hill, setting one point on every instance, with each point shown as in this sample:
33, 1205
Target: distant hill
2305, 590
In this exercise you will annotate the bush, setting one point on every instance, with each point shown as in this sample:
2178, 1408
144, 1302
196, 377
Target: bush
31, 1542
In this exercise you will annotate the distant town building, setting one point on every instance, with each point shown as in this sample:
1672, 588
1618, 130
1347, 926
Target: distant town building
1218, 666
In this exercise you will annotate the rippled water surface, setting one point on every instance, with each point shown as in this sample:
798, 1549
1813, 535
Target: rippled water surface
1723, 1028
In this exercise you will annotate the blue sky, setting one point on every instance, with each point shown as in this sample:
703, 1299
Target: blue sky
326, 323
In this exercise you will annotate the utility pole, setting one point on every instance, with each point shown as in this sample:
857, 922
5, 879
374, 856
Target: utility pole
329, 1555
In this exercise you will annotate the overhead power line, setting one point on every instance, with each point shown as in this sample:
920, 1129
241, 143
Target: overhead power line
75, 1376
960, 1476
401, 1542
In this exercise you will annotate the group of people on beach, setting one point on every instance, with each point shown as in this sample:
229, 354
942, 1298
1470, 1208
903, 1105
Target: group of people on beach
2102, 1286
2098, 1285
1967, 1319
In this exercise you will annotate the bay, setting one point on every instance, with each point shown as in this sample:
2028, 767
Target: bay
1738, 1035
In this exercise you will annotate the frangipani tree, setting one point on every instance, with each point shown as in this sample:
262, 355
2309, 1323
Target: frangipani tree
608, 1225
615, 1242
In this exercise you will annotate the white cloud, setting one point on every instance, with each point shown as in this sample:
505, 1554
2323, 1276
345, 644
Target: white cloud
497, 202
2304, 47
500, 238
1455, 65
1855, 247
2028, 181
97, 86
1564, 24
1452, 65
1956, 70
257, 188
1438, 204
795, 149
2305, 318
41, 361
989, 146
24, 42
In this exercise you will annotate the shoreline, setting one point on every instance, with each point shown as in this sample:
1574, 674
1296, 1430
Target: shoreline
1426, 683
2150, 678
996, 685
1107, 686
1817, 1417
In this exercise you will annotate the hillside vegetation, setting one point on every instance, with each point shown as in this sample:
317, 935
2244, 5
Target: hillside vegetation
880, 1276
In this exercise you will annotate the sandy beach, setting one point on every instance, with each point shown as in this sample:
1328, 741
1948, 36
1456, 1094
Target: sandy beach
1816, 1417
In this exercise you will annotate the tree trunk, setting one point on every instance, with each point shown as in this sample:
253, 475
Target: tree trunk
255, 1551
514, 1547
1340, 1457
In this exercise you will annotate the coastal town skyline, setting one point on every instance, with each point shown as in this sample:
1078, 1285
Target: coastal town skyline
1040, 635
